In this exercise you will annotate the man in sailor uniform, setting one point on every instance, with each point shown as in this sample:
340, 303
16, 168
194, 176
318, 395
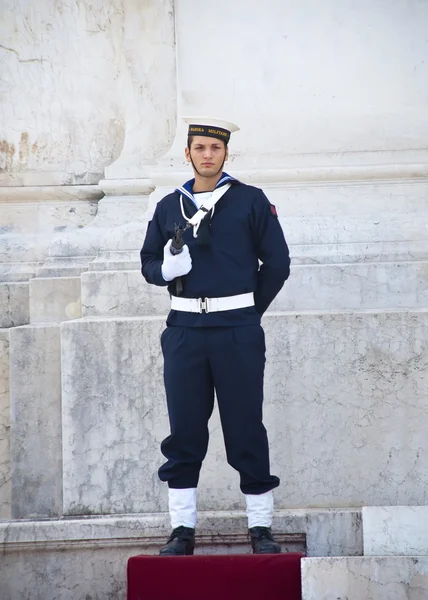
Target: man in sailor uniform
214, 339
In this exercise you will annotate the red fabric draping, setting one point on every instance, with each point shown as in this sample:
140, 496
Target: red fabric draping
216, 577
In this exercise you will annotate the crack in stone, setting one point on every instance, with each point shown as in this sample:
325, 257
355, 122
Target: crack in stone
24, 60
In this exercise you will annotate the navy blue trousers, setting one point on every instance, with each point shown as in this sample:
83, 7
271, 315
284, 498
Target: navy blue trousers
230, 360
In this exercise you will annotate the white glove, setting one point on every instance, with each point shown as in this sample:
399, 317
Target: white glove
175, 265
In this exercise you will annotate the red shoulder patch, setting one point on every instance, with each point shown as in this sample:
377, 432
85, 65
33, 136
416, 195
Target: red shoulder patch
273, 211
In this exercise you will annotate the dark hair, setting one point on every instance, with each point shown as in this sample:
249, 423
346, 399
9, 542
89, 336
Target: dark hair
191, 137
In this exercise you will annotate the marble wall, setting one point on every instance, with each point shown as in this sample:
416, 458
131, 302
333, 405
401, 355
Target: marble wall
86, 558
395, 530
371, 578
35, 414
82, 92
82, 99
307, 84
345, 410
76, 79
5, 484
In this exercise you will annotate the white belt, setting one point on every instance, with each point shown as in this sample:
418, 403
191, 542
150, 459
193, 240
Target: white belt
207, 305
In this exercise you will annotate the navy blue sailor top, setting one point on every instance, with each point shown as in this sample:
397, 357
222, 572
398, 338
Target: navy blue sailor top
242, 230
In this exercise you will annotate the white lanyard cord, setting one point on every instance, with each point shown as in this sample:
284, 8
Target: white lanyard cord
197, 218
195, 227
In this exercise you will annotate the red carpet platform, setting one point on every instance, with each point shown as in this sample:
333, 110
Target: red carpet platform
216, 577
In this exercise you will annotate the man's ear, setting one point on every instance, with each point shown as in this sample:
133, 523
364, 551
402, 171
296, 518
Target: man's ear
187, 154
226, 156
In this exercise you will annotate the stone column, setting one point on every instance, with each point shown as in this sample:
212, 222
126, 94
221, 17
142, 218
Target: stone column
104, 105
59, 126
75, 188
147, 88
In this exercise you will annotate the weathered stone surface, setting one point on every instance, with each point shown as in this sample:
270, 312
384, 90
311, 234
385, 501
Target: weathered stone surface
55, 299
346, 398
328, 222
331, 532
14, 304
113, 415
336, 232
86, 571
306, 70
390, 578
355, 286
88, 556
395, 530
310, 287
35, 400
47, 210
124, 293
122, 46
5, 487
27, 227
345, 410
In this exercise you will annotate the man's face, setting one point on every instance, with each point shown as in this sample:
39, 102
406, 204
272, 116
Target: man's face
207, 155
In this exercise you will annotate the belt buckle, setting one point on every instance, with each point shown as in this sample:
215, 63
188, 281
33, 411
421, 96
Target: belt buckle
204, 305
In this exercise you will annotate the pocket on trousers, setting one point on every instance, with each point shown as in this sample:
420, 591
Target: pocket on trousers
171, 337
250, 335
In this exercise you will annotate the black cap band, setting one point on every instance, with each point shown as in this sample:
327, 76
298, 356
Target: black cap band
209, 131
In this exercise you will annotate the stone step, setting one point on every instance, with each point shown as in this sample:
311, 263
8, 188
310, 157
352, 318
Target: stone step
18, 271
55, 299
345, 229
14, 304
380, 285
35, 411
87, 557
345, 409
5, 483
301, 254
368, 578
125, 293
359, 252
71, 266
317, 532
46, 210
395, 530
23, 247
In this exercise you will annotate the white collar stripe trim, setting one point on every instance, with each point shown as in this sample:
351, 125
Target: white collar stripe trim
186, 193
183, 190
226, 178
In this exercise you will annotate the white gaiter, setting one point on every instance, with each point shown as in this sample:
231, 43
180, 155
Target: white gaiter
182, 507
259, 509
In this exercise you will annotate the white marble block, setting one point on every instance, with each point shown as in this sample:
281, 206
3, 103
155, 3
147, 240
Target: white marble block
35, 400
87, 570
346, 405
5, 487
395, 530
343, 391
389, 578
324, 532
55, 299
30, 217
14, 304
377, 285
76, 557
114, 415
122, 293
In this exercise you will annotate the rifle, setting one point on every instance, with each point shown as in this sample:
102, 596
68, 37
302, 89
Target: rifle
177, 247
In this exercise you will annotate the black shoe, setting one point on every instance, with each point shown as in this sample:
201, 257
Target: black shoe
181, 542
262, 541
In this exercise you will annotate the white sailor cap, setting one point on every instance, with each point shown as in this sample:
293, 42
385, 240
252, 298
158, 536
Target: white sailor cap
209, 127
